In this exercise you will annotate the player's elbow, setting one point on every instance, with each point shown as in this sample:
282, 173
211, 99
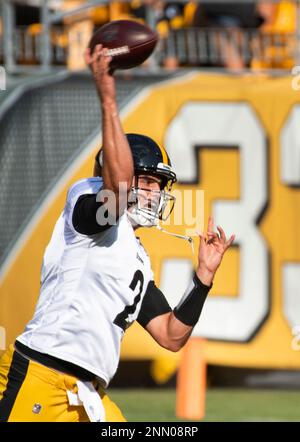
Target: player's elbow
175, 348
171, 345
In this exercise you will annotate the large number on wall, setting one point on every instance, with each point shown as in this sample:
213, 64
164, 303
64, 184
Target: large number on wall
226, 125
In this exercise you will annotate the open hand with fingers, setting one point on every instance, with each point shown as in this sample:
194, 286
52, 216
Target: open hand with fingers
98, 62
212, 247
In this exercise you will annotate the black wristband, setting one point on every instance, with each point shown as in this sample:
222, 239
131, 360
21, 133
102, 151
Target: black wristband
189, 309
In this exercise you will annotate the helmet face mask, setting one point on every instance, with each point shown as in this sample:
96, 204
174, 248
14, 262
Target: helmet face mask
147, 206
149, 159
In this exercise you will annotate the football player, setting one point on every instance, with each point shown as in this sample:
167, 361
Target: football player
97, 280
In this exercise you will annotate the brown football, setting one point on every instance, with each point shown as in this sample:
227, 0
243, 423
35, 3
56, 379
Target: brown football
130, 43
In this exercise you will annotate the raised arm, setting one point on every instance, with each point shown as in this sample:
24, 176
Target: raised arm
171, 329
117, 165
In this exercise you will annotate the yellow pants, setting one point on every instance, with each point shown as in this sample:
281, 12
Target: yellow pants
31, 392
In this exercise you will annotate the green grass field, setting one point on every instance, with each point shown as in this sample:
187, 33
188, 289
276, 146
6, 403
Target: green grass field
221, 405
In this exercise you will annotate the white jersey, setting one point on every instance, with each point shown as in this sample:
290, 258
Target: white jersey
91, 289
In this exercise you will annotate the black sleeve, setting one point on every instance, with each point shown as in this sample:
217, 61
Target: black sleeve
154, 304
189, 309
84, 215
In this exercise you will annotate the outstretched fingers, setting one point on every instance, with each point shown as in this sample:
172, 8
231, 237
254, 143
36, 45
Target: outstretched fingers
229, 242
218, 238
215, 237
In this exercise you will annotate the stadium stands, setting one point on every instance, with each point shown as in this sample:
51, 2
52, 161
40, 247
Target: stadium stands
192, 33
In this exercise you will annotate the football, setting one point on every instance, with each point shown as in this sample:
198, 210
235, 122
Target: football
130, 43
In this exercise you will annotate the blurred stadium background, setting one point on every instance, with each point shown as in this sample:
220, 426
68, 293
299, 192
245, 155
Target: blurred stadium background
222, 92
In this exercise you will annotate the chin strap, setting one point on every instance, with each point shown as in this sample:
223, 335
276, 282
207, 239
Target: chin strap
187, 238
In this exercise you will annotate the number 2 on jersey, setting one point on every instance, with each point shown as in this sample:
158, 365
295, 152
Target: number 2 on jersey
122, 319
